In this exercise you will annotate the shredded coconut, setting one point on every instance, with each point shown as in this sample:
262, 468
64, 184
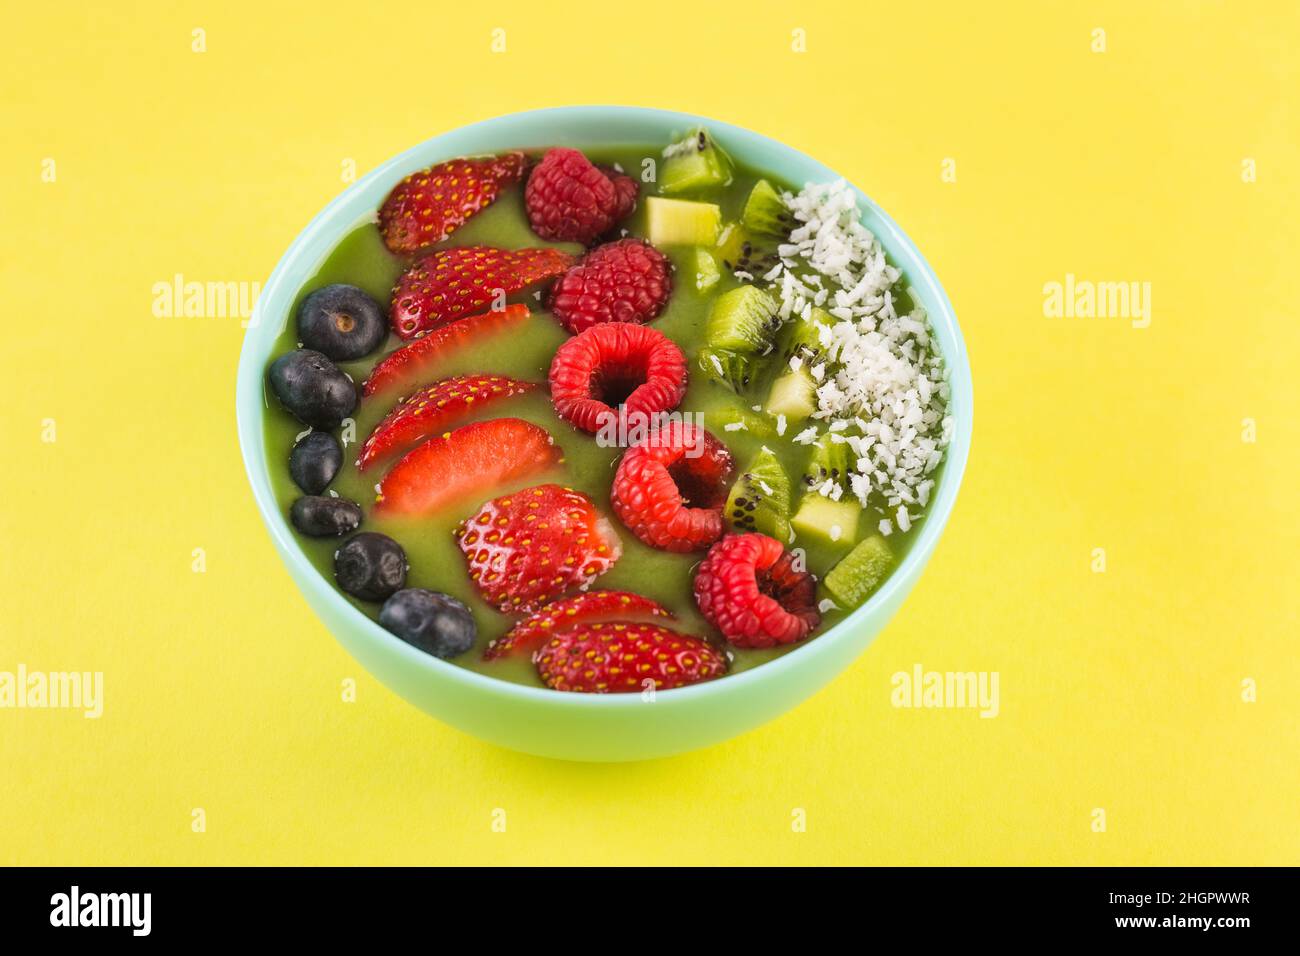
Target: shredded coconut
880, 371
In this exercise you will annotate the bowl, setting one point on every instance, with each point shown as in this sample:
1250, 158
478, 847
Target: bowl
537, 720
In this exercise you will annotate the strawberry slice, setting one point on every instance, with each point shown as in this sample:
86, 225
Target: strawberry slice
624, 657
415, 358
434, 408
527, 548
579, 609
427, 206
452, 283
473, 457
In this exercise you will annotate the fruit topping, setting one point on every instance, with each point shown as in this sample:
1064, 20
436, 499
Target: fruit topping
623, 281
427, 206
529, 547
569, 199
859, 572
312, 388
706, 269
733, 370
341, 322
452, 283
742, 320
579, 609
470, 459
765, 212
314, 461
828, 461
670, 489
760, 498
436, 623
325, 517
613, 658
832, 521
433, 409
416, 359
617, 367
370, 566
755, 592
681, 222
694, 163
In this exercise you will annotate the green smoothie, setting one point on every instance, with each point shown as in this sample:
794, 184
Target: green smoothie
525, 352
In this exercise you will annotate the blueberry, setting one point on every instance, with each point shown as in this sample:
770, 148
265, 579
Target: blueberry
315, 461
341, 321
311, 387
325, 517
370, 566
436, 623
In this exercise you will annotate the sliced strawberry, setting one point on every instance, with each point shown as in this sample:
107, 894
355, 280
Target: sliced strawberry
625, 657
426, 207
433, 409
416, 358
529, 547
465, 461
579, 609
452, 283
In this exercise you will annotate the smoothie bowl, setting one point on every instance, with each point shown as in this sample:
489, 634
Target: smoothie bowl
604, 433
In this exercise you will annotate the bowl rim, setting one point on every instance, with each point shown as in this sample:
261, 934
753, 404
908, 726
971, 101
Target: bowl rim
251, 408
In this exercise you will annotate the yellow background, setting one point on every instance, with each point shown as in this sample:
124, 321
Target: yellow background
1120, 690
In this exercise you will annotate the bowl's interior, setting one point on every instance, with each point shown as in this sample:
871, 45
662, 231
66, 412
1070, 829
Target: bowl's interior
579, 126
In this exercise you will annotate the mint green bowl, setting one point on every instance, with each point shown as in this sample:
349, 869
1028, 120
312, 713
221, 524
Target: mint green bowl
535, 720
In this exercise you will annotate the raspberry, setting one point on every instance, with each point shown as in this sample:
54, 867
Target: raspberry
632, 368
753, 591
670, 489
623, 281
571, 200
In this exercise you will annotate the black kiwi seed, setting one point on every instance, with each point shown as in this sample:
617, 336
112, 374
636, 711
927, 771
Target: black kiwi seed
704, 141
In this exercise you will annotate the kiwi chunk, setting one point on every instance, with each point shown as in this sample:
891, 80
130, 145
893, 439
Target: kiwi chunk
743, 252
765, 212
802, 337
794, 395
760, 498
742, 320
858, 574
735, 370
697, 163
737, 418
831, 460
681, 222
835, 522
707, 273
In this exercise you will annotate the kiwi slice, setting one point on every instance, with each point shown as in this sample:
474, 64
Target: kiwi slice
735, 370
794, 395
859, 573
743, 251
742, 320
743, 419
760, 498
829, 459
707, 273
681, 222
835, 522
696, 163
765, 212
802, 337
